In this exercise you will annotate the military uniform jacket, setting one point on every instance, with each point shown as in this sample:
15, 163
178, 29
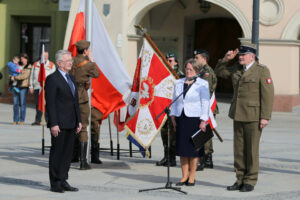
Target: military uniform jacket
209, 75
82, 70
253, 91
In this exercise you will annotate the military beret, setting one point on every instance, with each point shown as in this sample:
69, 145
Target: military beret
171, 55
200, 51
82, 44
247, 47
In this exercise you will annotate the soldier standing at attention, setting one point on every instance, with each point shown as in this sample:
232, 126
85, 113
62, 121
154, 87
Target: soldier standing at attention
172, 59
83, 69
208, 74
251, 110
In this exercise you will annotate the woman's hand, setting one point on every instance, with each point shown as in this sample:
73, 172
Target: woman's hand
202, 126
173, 122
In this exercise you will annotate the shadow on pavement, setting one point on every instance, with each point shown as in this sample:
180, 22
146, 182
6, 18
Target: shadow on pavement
26, 155
23, 182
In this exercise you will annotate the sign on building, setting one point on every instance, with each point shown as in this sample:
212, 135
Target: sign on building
64, 5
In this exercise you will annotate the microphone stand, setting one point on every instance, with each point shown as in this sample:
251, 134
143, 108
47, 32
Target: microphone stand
167, 111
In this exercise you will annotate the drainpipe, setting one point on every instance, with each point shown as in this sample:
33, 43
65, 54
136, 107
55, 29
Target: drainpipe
255, 25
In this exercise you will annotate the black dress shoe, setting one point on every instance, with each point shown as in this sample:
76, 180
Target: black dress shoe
182, 183
36, 124
246, 188
68, 187
190, 184
235, 186
57, 189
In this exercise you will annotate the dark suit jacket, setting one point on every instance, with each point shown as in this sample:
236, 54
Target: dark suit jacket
61, 106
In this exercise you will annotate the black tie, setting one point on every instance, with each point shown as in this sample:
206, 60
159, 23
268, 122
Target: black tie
70, 83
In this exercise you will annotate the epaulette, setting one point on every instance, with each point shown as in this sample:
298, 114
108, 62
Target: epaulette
261, 65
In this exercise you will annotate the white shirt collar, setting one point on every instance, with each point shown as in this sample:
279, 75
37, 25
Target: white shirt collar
248, 66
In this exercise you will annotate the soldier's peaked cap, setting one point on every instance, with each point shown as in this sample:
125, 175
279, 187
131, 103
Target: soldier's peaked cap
247, 47
171, 55
200, 51
82, 44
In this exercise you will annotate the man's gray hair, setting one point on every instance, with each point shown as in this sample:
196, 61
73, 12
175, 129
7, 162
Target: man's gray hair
59, 54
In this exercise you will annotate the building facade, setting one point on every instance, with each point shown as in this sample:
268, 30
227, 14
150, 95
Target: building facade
25, 26
217, 25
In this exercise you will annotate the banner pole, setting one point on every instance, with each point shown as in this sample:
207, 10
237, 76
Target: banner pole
89, 17
157, 50
43, 119
111, 141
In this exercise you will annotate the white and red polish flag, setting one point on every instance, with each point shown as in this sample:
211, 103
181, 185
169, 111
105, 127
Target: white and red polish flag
78, 31
110, 91
213, 103
151, 93
42, 79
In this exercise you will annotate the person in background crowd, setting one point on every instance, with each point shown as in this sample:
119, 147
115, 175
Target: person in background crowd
208, 74
19, 98
14, 70
250, 109
189, 114
34, 87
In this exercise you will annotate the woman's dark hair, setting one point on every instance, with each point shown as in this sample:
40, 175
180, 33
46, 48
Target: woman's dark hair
25, 55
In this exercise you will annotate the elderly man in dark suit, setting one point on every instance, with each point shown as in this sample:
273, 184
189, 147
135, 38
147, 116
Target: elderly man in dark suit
63, 120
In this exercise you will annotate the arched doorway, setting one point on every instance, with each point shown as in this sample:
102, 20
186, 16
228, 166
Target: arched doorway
176, 27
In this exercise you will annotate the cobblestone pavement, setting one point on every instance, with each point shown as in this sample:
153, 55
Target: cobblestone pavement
24, 171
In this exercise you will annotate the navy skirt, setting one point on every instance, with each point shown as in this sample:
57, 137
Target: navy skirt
185, 128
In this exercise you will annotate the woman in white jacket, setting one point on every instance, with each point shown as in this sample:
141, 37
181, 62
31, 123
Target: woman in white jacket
189, 114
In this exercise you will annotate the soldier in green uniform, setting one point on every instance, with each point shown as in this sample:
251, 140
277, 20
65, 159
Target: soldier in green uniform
83, 69
172, 59
251, 110
208, 74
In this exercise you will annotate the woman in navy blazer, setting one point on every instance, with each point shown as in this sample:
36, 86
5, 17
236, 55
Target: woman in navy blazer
189, 114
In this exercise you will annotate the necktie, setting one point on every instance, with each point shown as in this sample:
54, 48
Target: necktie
70, 83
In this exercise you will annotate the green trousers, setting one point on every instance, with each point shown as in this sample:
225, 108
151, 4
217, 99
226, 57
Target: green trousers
246, 151
164, 137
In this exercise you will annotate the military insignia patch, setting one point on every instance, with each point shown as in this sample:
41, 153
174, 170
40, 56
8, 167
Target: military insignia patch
206, 74
269, 80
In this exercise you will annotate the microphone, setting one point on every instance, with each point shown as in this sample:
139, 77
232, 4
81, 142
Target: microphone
194, 77
198, 75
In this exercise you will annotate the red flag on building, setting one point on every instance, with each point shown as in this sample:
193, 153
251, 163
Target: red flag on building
42, 78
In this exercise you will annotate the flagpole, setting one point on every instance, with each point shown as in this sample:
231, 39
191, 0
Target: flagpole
111, 141
43, 119
88, 23
157, 50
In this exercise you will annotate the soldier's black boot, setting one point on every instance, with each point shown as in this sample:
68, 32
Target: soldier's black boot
208, 161
95, 150
163, 161
83, 161
75, 156
172, 161
200, 166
